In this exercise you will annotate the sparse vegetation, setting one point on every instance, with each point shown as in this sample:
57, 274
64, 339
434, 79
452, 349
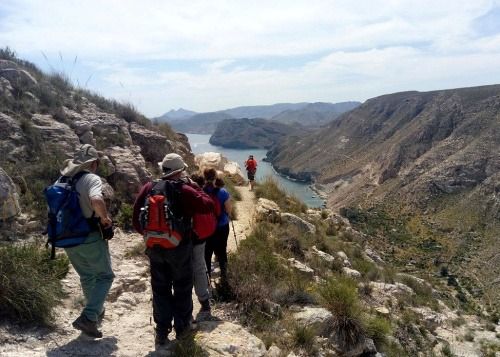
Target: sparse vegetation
124, 218
30, 282
270, 189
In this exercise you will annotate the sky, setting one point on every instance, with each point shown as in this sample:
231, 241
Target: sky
213, 55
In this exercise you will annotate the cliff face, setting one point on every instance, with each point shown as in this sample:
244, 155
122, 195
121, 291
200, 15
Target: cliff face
251, 133
43, 119
431, 159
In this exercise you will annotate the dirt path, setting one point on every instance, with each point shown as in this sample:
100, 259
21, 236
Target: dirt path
245, 211
126, 326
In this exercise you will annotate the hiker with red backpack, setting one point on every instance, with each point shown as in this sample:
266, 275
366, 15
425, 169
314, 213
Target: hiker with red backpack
163, 213
251, 166
217, 243
204, 225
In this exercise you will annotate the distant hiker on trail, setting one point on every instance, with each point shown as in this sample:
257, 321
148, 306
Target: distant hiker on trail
217, 243
251, 166
90, 259
163, 212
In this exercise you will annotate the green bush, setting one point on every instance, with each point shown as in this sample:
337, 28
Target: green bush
340, 296
30, 284
124, 218
378, 328
231, 188
303, 337
254, 272
270, 189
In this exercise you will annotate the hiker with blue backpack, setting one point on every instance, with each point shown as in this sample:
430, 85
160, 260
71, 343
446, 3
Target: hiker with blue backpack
163, 213
217, 243
77, 219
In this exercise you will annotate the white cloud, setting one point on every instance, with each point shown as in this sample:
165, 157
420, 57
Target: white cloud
230, 53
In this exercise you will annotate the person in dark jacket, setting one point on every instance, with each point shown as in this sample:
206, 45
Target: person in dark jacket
217, 243
172, 269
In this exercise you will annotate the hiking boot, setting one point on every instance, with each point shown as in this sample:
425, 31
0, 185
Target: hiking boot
205, 306
161, 336
182, 334
87, 326
205, 311
101, 316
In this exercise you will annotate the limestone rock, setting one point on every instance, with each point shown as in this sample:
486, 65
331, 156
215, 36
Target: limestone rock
9, 199
232, 169
130, 169
18, 78
267, 210
220, 338
211, 160
5, 88
314, 317
322, 255
154, 146
273, 351
301, 224
12, 139
351, 273
294, 263
60, 135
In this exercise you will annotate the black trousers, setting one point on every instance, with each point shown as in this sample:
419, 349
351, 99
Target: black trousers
172, 269
217, 243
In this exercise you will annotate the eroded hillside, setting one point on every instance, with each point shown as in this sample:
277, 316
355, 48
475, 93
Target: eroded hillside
426, 162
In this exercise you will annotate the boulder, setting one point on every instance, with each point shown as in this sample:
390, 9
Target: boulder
322, 255
336, 222
221, 338
18, 78
130, 170
232, 170
317, 318
273, 351
294, 263
154, 146
5, 88
343, 257
351, 273
12, 139
370, 253
211, 160
9, 199
267, 210
59, 135
301, 224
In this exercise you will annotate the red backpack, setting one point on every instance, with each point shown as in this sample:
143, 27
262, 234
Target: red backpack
205, 224
161, 218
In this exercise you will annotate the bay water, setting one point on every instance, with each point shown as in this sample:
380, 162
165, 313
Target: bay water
200, 144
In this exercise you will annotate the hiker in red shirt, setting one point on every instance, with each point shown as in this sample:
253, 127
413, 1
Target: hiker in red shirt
169, 247
251, 166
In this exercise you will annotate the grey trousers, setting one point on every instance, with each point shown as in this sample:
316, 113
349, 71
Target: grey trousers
200, 278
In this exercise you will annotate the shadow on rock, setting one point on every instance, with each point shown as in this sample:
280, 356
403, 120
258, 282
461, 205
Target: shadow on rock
86, 346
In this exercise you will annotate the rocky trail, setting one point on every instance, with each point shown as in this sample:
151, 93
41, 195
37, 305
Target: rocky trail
127, 327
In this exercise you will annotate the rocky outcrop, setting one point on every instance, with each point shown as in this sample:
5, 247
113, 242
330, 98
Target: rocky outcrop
210, 160
59, 135
301, 224
215, 160
12, 139
267, 210
9, 198
317, 318
129, 169
220, 338
154, 146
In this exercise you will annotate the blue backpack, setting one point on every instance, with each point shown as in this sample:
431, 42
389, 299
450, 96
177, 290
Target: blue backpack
67, 226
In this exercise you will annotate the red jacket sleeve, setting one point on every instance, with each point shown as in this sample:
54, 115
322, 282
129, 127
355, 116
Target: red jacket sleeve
139, 202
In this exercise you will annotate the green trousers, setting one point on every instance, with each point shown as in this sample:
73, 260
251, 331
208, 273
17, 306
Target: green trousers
92, 262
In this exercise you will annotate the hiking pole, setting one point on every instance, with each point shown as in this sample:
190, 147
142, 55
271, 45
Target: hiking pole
234, 232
